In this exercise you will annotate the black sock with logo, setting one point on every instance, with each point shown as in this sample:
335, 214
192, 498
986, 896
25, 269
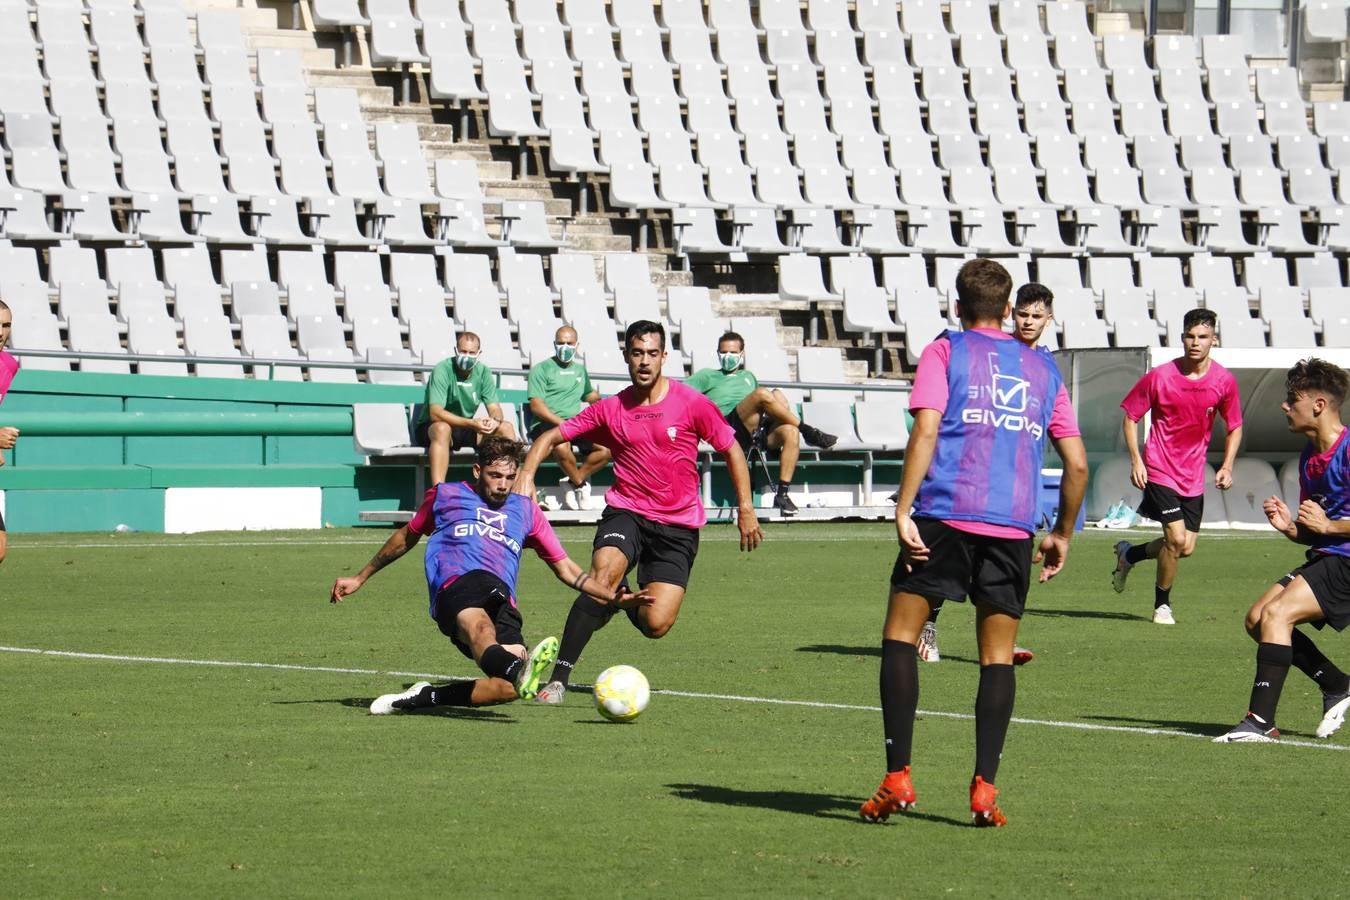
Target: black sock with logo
585, 618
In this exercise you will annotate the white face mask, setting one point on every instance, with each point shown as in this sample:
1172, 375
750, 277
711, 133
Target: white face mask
564, 353
465, 361
730, 361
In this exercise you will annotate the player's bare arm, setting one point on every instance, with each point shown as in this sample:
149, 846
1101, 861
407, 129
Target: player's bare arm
1223, 479
540, 450
746, 521
1277, 513
1054, 548
918, 457
1130, 431
399, 543
574, 576
1313, 520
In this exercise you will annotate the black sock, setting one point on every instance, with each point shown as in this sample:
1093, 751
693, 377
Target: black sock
783, 486
456, 693
1137, 553
933, 614
1272, 665
993, 711
584, 619
499, 662
899, 700
1311, 662
1162, 596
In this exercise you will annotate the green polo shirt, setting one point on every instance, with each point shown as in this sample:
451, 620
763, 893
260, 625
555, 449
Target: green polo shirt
724, 390
459, 397
562, 388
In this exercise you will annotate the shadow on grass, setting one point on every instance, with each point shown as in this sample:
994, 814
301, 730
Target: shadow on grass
1208, 729
820, 806
444, 712
844, 650
1089, 614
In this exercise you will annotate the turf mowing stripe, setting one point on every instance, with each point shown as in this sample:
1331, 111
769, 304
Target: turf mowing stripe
696, 695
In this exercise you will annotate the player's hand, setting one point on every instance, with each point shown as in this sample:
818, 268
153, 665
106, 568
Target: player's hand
1277, 513
912, 547
627, 599
1312, 517
8, 436
751, 533
524, 484
1223, 479
1138, 475
486, 424
343, 587
1053, 551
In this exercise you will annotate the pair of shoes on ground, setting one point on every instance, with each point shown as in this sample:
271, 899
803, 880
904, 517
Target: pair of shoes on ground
1252, 730
928, 647
527, 683
1118, 515
575, 496
896, 794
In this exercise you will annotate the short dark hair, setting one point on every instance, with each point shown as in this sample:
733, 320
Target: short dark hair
732, 336
1200, 317
983, 287
4, 305
642, 328
495, 447
1313, 375
1034, 292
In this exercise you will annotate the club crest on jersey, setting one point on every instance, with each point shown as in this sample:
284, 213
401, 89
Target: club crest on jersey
489, 525
671, 432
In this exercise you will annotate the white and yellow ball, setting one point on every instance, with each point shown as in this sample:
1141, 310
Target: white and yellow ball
621, 693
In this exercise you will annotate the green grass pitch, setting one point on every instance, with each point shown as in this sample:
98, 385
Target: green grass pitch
155, 776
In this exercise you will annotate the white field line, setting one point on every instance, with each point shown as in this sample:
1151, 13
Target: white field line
697, 695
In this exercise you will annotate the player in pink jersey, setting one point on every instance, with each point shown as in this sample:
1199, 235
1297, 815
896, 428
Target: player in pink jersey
477, 532
654, 510
9, 367
1182, 397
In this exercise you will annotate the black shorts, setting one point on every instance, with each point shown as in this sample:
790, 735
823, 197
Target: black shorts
478, 590
461, 436
1328, 576
991, 570
580, 448
1162, 504
663, 553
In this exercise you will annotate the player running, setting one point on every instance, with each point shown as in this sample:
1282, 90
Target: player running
654, 510
477, 533
1318, 592
983, 406
1182, 397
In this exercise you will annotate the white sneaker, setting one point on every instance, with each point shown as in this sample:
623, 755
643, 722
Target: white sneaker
387, 703
1163, 615
928, 647
1334, 716
570, 498
1111, 512
584, 495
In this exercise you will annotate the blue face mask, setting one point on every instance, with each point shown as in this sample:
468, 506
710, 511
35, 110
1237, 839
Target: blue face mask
730, 361
564, 353
465, 361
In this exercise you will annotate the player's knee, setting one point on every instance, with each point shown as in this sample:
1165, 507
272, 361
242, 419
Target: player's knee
1273, 615
656, 628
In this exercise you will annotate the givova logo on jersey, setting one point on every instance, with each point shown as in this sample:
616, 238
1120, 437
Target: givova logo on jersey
489, 525
1008, 398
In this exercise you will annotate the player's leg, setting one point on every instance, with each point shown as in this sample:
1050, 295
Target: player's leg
656, 618
786, 440
1295, 605
617, 542
1177, 543
665, 560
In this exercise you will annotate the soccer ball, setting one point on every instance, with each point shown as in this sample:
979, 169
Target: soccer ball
621, 693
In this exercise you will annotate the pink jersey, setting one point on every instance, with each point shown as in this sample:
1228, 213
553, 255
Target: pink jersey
1183, 419
930, 392
9, 367
655, 450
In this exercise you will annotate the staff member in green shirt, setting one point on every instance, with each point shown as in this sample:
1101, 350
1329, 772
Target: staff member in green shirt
557, 387
450, 420
761, 417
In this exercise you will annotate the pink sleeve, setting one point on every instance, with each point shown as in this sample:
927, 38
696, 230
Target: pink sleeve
9, 367
1232, 405
930, 380
710, 424
543, 540
589, 418
1140, 398
1063, 423
423, 522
